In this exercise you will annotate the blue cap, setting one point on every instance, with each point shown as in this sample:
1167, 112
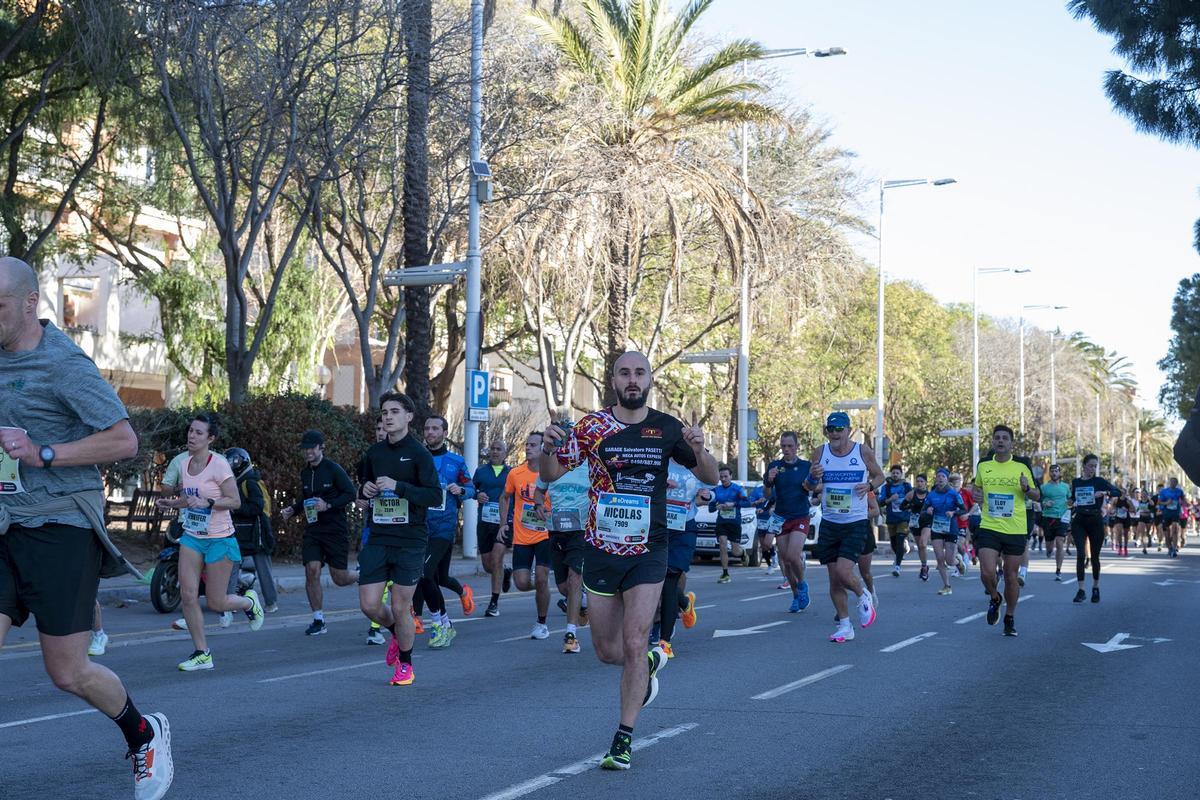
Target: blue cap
838, 419
942, 471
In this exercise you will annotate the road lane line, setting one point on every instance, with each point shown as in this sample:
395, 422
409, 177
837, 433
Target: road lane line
787, 687
761, 597
570, 770
527, 636
982, 614
374, 663
901, 645
46, 718
710, 605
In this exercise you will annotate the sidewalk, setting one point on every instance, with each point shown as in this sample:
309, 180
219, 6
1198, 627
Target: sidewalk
288, 578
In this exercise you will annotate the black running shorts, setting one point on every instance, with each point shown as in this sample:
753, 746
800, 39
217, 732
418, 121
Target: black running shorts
51, 572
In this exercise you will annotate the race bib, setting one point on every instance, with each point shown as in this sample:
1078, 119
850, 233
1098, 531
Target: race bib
490, 513
310, 509
10, 475
195, 520
1066, 517
941, 524
530, 519
1122, 513
727, 513
677, 515
775, 525
387, 509
838, 499
623, 518
1000, 505
1172, 504
566, 521
1085, 495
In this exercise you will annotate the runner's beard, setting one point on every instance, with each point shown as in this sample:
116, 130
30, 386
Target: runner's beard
631, 403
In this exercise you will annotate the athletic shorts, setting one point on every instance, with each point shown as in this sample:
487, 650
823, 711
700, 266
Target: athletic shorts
51, 572
328, 548
213, 550
606, 574
401, 564
487, 532
525, 554
897, 528
1009, 544
681, 548
798, 525
973, 524
841, 540
925, 521
951, 537
1168, 518
1053, 528
870, 544
731, 529
566, 551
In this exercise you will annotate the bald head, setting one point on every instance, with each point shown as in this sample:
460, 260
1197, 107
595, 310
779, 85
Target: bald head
633, 360
631, 379
17, 278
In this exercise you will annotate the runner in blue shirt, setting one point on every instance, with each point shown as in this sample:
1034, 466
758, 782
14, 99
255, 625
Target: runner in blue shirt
1171, 501
728, 498
943, 507
785, 485
891, 498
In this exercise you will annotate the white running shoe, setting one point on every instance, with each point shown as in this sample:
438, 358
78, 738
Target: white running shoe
895, 570
540, 631
844, 632
226, 619
255, 613
99, 643
153, 767
179, 624
874, 599
866, 611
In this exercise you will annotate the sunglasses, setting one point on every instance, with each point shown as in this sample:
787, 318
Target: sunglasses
835, 428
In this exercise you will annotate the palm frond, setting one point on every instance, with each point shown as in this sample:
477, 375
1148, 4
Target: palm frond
729, 56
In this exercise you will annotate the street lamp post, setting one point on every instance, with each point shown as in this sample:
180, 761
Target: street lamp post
1021, 377
1053, 404
975, 351
743, 351
884, 185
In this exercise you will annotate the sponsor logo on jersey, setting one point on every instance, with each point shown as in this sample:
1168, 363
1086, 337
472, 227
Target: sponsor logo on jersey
652, 433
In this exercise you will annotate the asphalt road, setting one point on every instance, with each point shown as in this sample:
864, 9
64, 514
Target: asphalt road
930, 702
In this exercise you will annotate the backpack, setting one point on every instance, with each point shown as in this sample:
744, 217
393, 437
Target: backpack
266, 493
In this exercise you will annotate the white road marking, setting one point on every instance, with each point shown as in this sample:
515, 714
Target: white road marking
46, 718
901, 645
527, 636
981, 614
719, 634
710, 605
374, 663
570, 770
788, 687
776, 595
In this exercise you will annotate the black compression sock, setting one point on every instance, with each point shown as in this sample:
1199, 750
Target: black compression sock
625, 729
1008, 619
683, 602
495, 597
133, 725
406, 656
541, 620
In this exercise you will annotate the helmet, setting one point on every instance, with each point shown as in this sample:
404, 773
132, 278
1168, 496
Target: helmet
239, 460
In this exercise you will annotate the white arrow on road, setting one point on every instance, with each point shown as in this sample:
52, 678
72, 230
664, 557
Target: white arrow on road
1112, 645
720, 634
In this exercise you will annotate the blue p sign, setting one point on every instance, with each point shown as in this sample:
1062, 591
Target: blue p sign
478, 382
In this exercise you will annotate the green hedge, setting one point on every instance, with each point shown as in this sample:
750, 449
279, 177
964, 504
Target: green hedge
269, 428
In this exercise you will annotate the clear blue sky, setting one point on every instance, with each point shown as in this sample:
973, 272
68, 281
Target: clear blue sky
1007, 98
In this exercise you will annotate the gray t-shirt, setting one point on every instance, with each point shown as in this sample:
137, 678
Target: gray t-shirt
55, 392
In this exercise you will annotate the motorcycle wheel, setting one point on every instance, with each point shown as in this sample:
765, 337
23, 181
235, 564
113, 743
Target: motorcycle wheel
164, 587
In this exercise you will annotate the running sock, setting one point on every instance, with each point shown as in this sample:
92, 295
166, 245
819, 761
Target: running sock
406, 656
683, 602
495, 597
541, 620
133, 725
319, 615
571, 628
625, 729
724, 572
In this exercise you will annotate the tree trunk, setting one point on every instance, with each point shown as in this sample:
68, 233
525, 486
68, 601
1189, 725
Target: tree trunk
620, 254
418, 24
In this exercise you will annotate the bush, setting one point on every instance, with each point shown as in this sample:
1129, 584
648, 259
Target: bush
269, 428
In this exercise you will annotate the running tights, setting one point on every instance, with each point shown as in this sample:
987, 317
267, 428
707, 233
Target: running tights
437, 574
1087, 528
898, 545
669, 612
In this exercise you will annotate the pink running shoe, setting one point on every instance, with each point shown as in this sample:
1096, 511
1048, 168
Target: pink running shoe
403, 675
393, 652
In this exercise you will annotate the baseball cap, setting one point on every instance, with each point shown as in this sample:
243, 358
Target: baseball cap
312, 439
838, 419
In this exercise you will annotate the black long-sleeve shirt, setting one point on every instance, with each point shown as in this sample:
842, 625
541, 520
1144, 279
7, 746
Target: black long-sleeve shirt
329, 482
1187, 447
410, 465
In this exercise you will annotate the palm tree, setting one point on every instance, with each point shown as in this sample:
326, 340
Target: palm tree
1155, 445
633, 53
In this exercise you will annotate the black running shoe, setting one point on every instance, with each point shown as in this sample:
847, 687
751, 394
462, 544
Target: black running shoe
507, 579
1095, 594
993, 612
1079, 597
493, 609
620, 754
1010, 627
316, 629
562, 604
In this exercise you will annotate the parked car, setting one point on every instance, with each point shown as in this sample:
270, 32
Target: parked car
706, 532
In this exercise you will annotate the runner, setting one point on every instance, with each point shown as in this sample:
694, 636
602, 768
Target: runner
1002, 484
786, 485
325, 491
1119, 520
374, 632
1056, 517
893, 494
943, 507
489, 483
1156, 506
530, 539
401, 483
207, 493
569, 500
1172, 500
684, 494
1145, 518
846, 472
918, 522
1088, 495
627, 449
964, 524
764, 537
442, 521
974, 517
59, 419
729, 498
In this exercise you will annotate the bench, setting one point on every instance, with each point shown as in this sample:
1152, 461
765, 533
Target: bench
141, 509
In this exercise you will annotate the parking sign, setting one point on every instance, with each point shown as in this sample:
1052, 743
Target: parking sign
477, 395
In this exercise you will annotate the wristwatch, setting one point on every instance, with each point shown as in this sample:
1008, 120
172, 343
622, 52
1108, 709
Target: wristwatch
46, 454
549, 452
211, 503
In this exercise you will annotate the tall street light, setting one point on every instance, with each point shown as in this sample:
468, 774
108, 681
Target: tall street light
1021, 378
975, 354
743, 358
884, 185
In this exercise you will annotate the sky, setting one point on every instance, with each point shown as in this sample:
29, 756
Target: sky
1008, 99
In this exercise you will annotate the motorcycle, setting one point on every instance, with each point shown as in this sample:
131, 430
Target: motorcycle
165, 594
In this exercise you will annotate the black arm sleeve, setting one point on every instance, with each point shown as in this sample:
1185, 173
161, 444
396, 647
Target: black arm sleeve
345, 489
427, 491
253, 501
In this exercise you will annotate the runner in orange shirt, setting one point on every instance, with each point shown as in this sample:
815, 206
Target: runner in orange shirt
530, 539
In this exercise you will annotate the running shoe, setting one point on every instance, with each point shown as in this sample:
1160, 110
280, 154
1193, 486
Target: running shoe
179, 624
507, 579
570, 643
962, 565
444, 638
375, 636
770, 569
468, 601
153, 767
802, 593
1021, 576
197, 661
654, 635
658, 659
844, 633
271, 609
784, 585
316, 628
418, 625
1095, 594
583, 617
945, 590
403, 676
993, 612
255, 613
924, 572
562, 604
875, 600
540, 631
493, 609
393, 652
1058, 577
437, 636
226, 619
795, 606
665, 646
99, 645
895, 570
689, 616
1010, 627
620, 754
866, 611
725, 578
